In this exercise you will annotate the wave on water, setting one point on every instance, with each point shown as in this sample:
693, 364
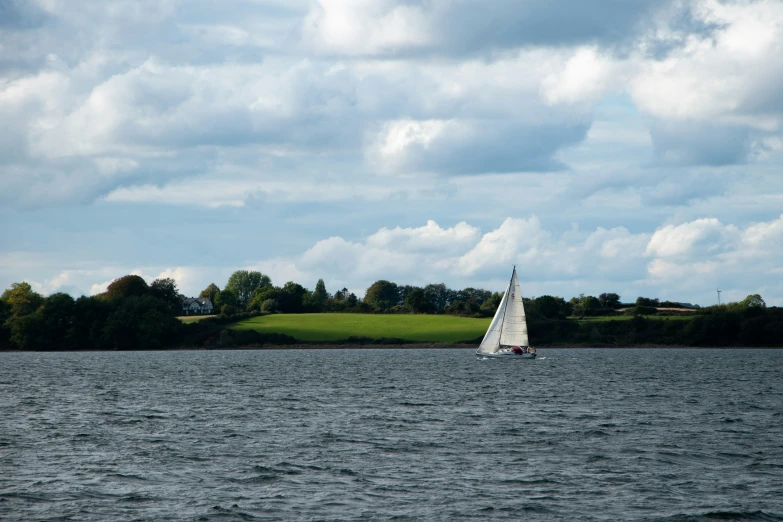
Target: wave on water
749, 516
391, 434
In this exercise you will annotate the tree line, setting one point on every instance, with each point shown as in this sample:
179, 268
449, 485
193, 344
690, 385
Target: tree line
247, 291
132, 314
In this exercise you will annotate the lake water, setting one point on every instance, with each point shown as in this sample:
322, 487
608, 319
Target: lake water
630, 434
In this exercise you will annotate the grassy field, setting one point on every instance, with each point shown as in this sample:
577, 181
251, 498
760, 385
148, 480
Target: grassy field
333, 327
193, 318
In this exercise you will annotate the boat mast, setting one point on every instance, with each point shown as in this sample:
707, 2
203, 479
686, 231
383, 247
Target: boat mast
506, 308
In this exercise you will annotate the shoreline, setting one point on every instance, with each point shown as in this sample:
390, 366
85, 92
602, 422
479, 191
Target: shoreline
410, 346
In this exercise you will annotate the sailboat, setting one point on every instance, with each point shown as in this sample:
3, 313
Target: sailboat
506, 336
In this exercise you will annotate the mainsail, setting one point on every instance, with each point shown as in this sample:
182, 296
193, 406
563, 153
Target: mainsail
508, 327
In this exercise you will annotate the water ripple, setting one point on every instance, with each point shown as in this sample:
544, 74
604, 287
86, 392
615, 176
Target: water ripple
665, 435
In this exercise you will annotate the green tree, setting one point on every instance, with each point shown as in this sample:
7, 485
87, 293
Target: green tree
228, 297
89, 318
260, 295
319, 296
382, 295
5, 334
416, 301
290, 298
489, 306
439, 296
21, 299
58, 317
211, 292
139, 323
166, 291
23, 317
551, 307
243, 282
475, 295
127, 286
269, 306
753, 301
646, 301
609, 300
585, 305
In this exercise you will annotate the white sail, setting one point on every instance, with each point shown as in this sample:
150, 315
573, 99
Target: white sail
491, 341
513, 329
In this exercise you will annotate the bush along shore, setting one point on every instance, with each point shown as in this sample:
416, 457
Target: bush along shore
134, 315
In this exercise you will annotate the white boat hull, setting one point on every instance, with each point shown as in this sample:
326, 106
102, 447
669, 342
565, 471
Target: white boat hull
507, 355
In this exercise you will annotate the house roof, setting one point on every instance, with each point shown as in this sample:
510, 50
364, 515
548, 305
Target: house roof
202, 301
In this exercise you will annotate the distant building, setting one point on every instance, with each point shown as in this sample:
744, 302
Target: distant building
197, 306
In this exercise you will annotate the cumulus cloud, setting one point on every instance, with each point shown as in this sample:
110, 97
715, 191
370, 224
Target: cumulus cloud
462, 255
695, 255
409, 88
305, 120
704, 235
400, 28
471, 147
717, 75
740, 260
684, 261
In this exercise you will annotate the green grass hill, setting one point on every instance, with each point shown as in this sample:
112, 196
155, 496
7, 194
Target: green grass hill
334, 327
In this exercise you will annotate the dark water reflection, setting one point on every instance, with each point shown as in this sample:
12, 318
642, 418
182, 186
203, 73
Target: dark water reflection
379, 434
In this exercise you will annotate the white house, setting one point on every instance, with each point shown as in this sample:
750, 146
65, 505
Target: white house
197, 306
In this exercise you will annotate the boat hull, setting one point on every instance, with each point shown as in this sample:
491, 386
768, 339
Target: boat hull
501, 355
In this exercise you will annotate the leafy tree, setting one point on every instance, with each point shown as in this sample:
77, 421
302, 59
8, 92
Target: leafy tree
475, 295
291, 298
242, 283
609, 300
439, 296
262, 294
89, 317
585, 305
646, 301
127, 286
140, 323
5, 334
166, 291
416, 301
489, 306
551, 307
227, 309
269, 305
460, 307
227, 297
23, 320
25, 330
58, 316
382, 295
319, 296
754, 301
211, 292
21, 299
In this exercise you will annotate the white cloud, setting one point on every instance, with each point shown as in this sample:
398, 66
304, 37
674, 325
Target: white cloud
707, 253
365, 27
514, 240
724, 76
702, 235
617, 116
686, 261
584, 77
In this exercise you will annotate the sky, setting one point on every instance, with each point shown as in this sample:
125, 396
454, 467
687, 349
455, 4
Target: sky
628, 146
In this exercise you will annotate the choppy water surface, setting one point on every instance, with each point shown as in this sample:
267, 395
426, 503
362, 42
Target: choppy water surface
378, 434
